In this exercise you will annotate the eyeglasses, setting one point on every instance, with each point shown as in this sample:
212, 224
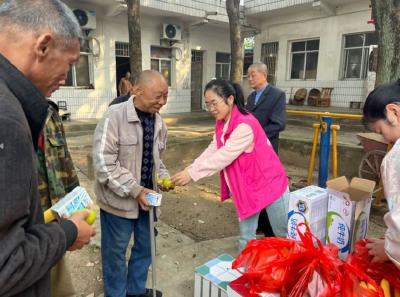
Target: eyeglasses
212, 105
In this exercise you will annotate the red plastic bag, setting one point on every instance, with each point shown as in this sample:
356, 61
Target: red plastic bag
351, 286
255, 259
287, 266
360, 260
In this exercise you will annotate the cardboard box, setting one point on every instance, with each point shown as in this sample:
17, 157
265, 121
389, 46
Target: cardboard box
212, 278
349, 207
238, 288
308, 205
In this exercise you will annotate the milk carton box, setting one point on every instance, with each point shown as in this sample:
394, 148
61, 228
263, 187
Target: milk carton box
77, 199
349, 206
308, 205
212, 278
154, 199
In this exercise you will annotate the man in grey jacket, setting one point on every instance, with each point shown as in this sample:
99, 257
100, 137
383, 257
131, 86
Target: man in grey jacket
39, 39
127, 150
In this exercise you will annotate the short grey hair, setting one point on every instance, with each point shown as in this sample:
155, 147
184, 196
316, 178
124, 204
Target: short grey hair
260, 67
37, 16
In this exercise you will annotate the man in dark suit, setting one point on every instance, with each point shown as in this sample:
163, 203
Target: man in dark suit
268, 104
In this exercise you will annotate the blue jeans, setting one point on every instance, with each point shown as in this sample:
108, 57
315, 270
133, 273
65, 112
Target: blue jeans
278, 217
115, 236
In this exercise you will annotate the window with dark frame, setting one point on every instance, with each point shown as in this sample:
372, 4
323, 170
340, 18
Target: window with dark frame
356, 54
269, 55
80, 74
222, 65
161, 61
247, 59
304, 59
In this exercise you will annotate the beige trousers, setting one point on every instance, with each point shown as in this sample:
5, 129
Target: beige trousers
61, 281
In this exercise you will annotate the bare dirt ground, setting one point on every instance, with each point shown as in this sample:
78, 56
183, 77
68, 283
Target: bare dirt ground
194, 210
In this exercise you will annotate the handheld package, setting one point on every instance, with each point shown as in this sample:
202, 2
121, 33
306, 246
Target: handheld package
154, 199
76, 200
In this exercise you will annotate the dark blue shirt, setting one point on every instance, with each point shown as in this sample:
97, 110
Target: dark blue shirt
147, 121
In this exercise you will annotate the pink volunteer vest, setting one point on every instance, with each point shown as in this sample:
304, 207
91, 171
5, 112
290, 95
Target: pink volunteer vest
256, 179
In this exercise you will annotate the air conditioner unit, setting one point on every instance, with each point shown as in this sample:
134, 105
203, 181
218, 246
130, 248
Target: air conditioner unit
86, 18
171, 32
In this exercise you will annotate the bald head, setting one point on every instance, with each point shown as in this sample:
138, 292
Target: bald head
257, 75
148, 78
151, 91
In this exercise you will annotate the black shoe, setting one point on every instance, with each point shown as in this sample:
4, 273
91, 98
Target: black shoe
149, 293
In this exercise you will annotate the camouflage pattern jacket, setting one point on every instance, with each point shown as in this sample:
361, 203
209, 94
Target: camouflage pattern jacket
56, 174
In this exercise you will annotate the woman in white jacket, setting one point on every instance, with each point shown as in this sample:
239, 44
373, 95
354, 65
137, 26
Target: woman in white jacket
382, 115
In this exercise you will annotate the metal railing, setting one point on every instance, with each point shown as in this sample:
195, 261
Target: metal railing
324, 129
325, 114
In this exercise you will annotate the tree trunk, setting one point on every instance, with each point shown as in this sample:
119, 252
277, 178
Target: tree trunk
135, 44
233, 10
386, 14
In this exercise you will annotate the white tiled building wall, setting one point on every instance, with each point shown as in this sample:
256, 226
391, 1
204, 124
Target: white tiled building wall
299, 21
258, 6
86, 103
343, 92
313, 24
190, 7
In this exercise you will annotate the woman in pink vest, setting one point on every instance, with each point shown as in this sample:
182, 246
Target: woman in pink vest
250, 171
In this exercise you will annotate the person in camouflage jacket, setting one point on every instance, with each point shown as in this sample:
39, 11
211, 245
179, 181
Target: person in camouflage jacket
56, 177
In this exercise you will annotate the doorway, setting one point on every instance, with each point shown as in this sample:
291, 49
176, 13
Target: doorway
196, 82
121, 61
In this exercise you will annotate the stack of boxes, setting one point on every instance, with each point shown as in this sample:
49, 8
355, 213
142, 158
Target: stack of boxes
338, 215
212, 278
349, 206
308, 205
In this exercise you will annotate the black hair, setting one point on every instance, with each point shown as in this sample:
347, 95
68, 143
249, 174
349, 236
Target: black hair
375, 104
224, 89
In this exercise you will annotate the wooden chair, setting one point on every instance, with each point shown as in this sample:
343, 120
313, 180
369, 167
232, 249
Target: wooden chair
313, 97
325, 99
63, 110
299, 97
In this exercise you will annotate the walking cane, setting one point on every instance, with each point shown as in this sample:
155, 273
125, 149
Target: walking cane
153, 250
154, 199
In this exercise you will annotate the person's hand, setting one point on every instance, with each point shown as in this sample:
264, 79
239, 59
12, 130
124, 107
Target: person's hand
85, 231
376, 248
162, 188
141, 199
165, 184
181, 178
